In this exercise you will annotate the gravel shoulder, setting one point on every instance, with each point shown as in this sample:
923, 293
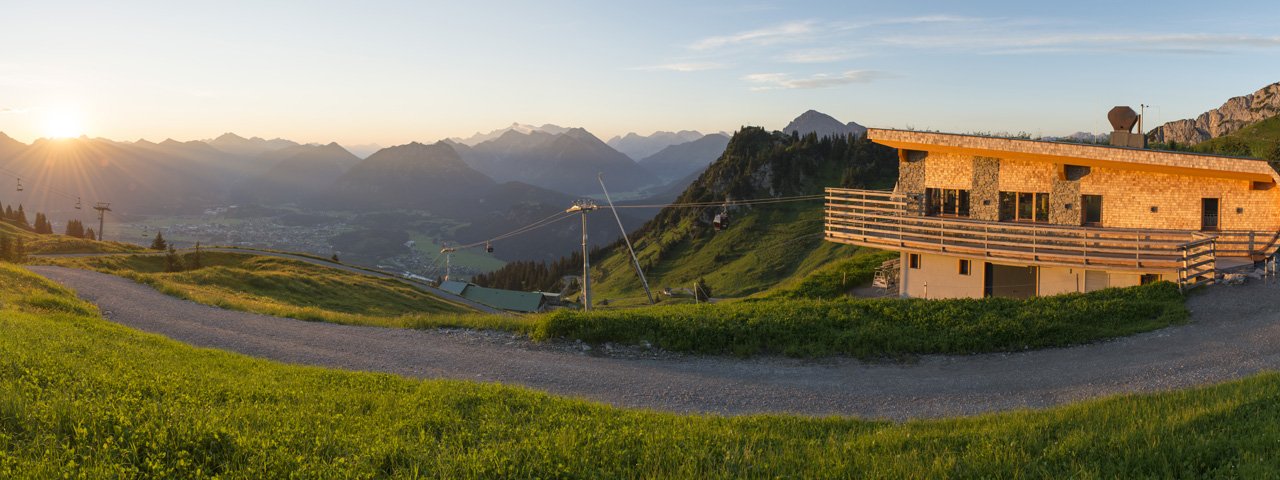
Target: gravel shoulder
1234, 332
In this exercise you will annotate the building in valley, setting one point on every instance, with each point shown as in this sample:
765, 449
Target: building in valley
977, 216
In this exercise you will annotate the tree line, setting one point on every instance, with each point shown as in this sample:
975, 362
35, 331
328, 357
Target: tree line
42, 225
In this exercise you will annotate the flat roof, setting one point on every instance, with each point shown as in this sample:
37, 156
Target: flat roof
1126, 158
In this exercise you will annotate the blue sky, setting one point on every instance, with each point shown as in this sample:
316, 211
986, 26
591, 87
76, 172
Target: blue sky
393, 72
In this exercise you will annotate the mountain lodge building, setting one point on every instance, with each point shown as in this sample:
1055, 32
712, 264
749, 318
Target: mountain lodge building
977, 216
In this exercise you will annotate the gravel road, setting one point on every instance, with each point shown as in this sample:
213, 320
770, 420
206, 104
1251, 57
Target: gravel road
1235, 332
424, 286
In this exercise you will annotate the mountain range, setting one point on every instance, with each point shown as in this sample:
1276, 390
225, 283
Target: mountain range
448, 190
639, 146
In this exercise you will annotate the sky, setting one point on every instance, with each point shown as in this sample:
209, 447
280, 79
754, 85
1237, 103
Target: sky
394, 72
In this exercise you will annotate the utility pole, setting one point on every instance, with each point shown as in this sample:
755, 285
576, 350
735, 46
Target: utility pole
583, 207
102, 208
448, 260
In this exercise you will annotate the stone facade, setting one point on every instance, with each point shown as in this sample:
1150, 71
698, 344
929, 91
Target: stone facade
984, 194
1064, 202
911, 180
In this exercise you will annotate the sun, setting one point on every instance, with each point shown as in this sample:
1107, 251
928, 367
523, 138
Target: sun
63, 123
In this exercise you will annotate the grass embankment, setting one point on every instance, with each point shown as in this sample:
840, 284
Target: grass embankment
44, 244
882, 327
290, 288
836, 279
82, 397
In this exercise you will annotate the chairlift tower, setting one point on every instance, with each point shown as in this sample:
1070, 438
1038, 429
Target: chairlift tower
584, 206
102, 208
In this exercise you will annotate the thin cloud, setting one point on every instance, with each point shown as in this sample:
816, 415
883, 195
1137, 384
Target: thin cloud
787, 32
14, 110
775, 81
819, 55
1026, 43
681, 67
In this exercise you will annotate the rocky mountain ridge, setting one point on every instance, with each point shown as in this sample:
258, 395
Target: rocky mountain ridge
1233, 115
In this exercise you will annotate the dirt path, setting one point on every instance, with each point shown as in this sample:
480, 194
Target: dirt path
1235, 332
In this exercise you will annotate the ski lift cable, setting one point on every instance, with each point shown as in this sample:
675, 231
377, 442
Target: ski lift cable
563, 215
22, 186
519, 231
759, 201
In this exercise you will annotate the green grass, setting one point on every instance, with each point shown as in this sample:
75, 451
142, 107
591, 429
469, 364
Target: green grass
81, 397
883, 327
290, 288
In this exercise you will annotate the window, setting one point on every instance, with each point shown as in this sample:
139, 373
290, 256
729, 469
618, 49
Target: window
1024, 207
1148, 278
1092, 209
913, 260
965, 267
947, 201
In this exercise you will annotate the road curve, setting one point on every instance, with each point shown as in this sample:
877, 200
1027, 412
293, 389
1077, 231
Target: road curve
420, 285
1235, 332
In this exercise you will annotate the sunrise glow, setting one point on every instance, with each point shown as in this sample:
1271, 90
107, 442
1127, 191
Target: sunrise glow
63, 123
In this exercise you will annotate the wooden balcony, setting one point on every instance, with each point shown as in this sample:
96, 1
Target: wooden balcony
881, 219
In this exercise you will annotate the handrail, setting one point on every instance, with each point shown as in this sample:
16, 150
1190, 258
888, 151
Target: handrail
888, 220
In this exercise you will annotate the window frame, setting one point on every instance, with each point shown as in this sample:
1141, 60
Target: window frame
965, 267
947, 202
913, 261
1024, 207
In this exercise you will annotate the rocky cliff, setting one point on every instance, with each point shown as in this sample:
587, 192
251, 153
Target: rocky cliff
1237, 113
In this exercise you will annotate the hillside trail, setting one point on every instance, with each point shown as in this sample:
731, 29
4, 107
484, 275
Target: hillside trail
1234, 332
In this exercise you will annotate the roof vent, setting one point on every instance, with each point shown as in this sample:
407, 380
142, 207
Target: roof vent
1122, 120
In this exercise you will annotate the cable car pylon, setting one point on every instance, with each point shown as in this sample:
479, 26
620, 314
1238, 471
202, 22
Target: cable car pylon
635, 262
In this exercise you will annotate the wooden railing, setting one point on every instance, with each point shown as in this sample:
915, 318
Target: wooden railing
886, 220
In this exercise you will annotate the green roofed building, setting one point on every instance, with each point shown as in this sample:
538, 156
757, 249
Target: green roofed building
509, 300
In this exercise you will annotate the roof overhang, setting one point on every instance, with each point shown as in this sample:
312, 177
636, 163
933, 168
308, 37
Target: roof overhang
1173, 163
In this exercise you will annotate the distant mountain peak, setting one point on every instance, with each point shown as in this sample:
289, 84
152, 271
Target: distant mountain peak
813, 121
230, 137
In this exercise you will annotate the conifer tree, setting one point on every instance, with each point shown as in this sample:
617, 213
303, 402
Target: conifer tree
19, 254
159, 243
173, 263
21, 217
195, 260
6, 248
89, 234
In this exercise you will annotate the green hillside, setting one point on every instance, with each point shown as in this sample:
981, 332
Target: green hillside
42, 244
81, 397
764, 245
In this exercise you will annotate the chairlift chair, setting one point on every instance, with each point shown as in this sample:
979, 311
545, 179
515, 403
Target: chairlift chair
488, 247
77, 203
19, 184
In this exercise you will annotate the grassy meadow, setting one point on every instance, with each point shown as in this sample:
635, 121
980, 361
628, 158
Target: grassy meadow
81, 397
